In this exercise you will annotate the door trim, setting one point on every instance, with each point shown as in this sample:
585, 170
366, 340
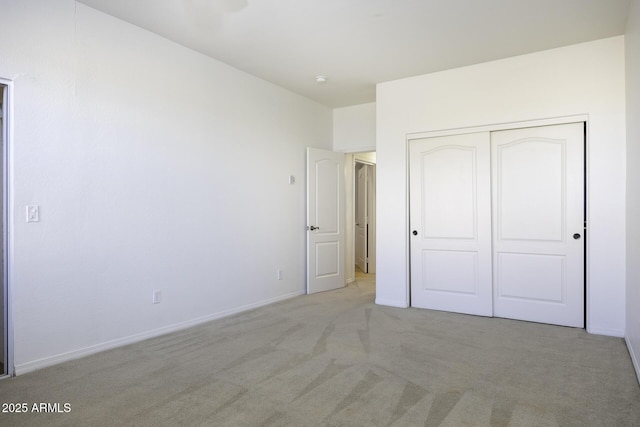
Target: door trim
8, 220
409, 137
498, 126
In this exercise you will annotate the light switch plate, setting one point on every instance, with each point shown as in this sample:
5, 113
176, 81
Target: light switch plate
33, 213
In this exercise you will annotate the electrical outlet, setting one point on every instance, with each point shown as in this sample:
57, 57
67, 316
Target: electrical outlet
157, 296
292, 179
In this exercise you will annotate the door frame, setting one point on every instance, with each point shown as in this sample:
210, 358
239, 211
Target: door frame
409, 137
8, 223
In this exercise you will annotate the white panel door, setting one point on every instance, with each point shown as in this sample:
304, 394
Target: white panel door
538, 223
450, 217
325, 220
361, 218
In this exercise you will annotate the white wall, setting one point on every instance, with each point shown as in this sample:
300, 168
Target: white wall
369, 157
632, 45
581, 79
354, 128
155, 168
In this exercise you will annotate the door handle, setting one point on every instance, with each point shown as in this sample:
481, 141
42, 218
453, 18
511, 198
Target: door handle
576, 236
415, 232
312, 227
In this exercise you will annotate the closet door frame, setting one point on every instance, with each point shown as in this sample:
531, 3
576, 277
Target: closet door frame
583, 118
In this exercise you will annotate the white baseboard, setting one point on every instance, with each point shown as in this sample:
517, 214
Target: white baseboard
76, 354
608, 332
634, 357
391, 303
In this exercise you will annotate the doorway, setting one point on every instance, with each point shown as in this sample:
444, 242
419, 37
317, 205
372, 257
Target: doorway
331, 181
364, 212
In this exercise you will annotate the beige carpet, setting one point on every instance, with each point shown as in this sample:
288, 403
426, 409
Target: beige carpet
336, 359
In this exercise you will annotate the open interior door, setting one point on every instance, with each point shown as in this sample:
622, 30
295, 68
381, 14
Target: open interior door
325, 220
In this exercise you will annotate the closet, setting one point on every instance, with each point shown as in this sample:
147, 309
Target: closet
497, 223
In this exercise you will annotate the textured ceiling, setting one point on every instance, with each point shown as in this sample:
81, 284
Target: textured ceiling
358, 43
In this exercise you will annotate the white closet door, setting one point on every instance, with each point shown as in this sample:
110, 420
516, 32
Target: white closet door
450, 217
538, 214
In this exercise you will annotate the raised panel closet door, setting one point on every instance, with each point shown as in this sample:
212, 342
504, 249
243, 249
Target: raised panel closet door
450, 221
538, 214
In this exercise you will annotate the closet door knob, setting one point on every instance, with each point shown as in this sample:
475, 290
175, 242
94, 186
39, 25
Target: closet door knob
576, 236
415, 232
